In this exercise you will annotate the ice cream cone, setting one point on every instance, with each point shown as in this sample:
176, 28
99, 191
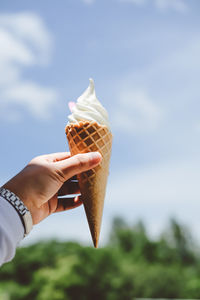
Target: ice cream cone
86, 136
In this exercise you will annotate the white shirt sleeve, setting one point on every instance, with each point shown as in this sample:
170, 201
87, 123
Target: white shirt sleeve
11, 231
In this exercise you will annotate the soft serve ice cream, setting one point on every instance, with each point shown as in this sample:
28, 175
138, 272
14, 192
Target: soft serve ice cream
88, 108
88, 130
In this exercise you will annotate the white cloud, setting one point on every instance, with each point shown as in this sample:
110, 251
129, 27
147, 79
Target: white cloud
38, 100
156, 192
24, 42
12, 49
166, 184
136, 113
29, 29
136, 2
177, 5
197, 126
13, 55
88, 2
172, 85
182, 57
162, 5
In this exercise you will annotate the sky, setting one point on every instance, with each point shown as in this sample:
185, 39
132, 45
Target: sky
144, 58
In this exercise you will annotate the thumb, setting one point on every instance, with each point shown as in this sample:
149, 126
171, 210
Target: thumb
79, 163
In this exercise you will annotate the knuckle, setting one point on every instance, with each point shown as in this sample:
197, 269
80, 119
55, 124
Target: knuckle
80, 161
59, 175
36, 159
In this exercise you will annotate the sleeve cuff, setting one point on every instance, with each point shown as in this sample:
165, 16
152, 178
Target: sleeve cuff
11, 230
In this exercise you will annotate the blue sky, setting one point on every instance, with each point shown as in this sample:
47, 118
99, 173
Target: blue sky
144, 58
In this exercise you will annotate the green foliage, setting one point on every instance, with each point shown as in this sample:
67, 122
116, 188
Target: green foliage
131, 265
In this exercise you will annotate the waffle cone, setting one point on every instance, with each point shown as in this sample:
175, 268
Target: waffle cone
86, 137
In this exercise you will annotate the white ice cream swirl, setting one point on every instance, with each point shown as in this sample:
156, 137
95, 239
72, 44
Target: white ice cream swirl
88, 108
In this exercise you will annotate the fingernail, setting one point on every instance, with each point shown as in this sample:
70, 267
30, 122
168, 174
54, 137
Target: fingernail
95, 157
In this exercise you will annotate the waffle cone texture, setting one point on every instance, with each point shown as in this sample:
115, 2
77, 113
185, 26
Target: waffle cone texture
86, 137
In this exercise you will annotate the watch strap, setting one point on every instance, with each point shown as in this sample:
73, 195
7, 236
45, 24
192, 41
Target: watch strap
21, 209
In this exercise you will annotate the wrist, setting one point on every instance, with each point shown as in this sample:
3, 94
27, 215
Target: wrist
15, 186
25, 196
19, 206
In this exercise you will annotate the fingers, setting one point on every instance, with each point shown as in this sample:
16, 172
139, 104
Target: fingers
69, 188
54, 157
79, 163
68, 203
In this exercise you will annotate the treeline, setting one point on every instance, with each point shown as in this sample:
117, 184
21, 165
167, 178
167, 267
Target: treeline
132, 265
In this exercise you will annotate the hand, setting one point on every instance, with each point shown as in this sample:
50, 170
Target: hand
45, 177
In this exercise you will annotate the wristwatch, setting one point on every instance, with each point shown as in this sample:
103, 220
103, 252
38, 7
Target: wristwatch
22, 210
